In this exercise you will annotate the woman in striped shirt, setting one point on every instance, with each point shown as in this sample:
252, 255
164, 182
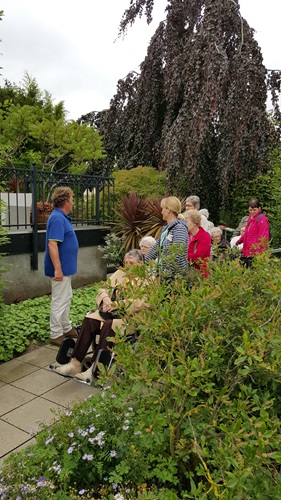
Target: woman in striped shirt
170, 249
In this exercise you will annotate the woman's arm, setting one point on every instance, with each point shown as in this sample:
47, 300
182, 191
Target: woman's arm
153, 253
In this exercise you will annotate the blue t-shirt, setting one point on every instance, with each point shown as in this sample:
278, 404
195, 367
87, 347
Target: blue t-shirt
59, 228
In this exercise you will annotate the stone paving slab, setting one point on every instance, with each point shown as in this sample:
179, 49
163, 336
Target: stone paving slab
31, 415
11, 437
12, 397
14, 370
39, 382
40, 357
29, 391
19, 448
16, 450
69, 393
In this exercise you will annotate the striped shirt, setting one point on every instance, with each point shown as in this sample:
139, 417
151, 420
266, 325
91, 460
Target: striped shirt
171, 236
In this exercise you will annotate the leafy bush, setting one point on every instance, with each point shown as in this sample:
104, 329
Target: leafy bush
144, 181
112, 251
28, 321
195, 410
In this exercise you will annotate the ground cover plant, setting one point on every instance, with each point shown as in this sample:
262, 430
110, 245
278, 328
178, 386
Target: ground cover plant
192, 409
28, 321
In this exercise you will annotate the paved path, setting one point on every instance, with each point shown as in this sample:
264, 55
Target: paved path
29, 392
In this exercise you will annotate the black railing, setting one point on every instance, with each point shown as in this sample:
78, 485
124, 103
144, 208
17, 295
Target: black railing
93, 197
27, 195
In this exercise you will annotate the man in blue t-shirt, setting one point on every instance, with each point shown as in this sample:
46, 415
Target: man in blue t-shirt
60, 263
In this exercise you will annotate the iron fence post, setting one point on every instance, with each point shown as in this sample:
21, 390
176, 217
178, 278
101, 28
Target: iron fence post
34, 256
97, 200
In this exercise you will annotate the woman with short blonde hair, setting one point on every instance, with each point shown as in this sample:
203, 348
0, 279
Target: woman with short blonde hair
174, 233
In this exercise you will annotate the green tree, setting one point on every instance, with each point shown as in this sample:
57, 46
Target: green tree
33, 129
198, 106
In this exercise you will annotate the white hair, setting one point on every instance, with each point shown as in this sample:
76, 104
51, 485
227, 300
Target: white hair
195, 200
205, 212
148, 239
216, 230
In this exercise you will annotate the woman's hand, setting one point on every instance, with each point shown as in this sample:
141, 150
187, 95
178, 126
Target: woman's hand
107, 304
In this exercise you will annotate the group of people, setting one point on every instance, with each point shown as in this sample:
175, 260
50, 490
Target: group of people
187, 239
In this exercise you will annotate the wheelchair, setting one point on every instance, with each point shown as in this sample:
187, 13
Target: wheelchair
104, 356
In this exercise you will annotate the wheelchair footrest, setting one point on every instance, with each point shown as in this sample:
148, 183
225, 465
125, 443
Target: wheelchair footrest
65, 351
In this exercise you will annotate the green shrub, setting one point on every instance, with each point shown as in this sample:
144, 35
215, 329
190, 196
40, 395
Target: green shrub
112, 251
195, 410
144, 181
28, 321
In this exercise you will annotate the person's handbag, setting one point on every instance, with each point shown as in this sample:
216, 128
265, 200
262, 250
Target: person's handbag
106, 315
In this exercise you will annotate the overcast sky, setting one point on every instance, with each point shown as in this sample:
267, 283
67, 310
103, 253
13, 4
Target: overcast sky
72, 49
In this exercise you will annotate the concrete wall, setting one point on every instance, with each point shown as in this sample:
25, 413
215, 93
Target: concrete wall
21, 282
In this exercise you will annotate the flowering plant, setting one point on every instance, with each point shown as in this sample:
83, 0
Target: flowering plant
44, 206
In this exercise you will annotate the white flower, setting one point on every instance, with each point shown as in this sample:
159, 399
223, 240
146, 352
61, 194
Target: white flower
113, 453
48, 441
125, 427
82, 433
71, 434
118, 496
70, 450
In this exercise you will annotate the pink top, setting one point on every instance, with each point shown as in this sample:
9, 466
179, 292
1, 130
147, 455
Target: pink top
256, 235
199, 248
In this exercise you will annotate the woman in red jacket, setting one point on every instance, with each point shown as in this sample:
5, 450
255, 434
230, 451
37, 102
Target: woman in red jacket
199, 242
256, 234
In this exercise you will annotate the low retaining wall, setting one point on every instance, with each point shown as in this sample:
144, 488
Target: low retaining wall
21, 282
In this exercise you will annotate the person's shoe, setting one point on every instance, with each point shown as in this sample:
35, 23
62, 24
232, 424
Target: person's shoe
58, 341
72, 333
86, 376
69, 370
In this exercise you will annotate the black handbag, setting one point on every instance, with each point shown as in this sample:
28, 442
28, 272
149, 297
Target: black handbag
106, 315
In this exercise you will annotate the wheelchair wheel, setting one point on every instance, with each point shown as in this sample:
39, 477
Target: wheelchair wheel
86, 363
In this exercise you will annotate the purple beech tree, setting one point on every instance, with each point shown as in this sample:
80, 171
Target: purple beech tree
197, 108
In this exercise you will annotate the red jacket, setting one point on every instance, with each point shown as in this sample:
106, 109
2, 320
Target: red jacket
256, 230
199, 247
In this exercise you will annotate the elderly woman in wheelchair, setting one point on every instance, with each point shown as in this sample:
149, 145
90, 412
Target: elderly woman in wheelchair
103, 322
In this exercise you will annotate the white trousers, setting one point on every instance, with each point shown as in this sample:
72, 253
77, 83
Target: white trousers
60, 307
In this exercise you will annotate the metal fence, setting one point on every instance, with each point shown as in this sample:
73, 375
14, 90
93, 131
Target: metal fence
26, 193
